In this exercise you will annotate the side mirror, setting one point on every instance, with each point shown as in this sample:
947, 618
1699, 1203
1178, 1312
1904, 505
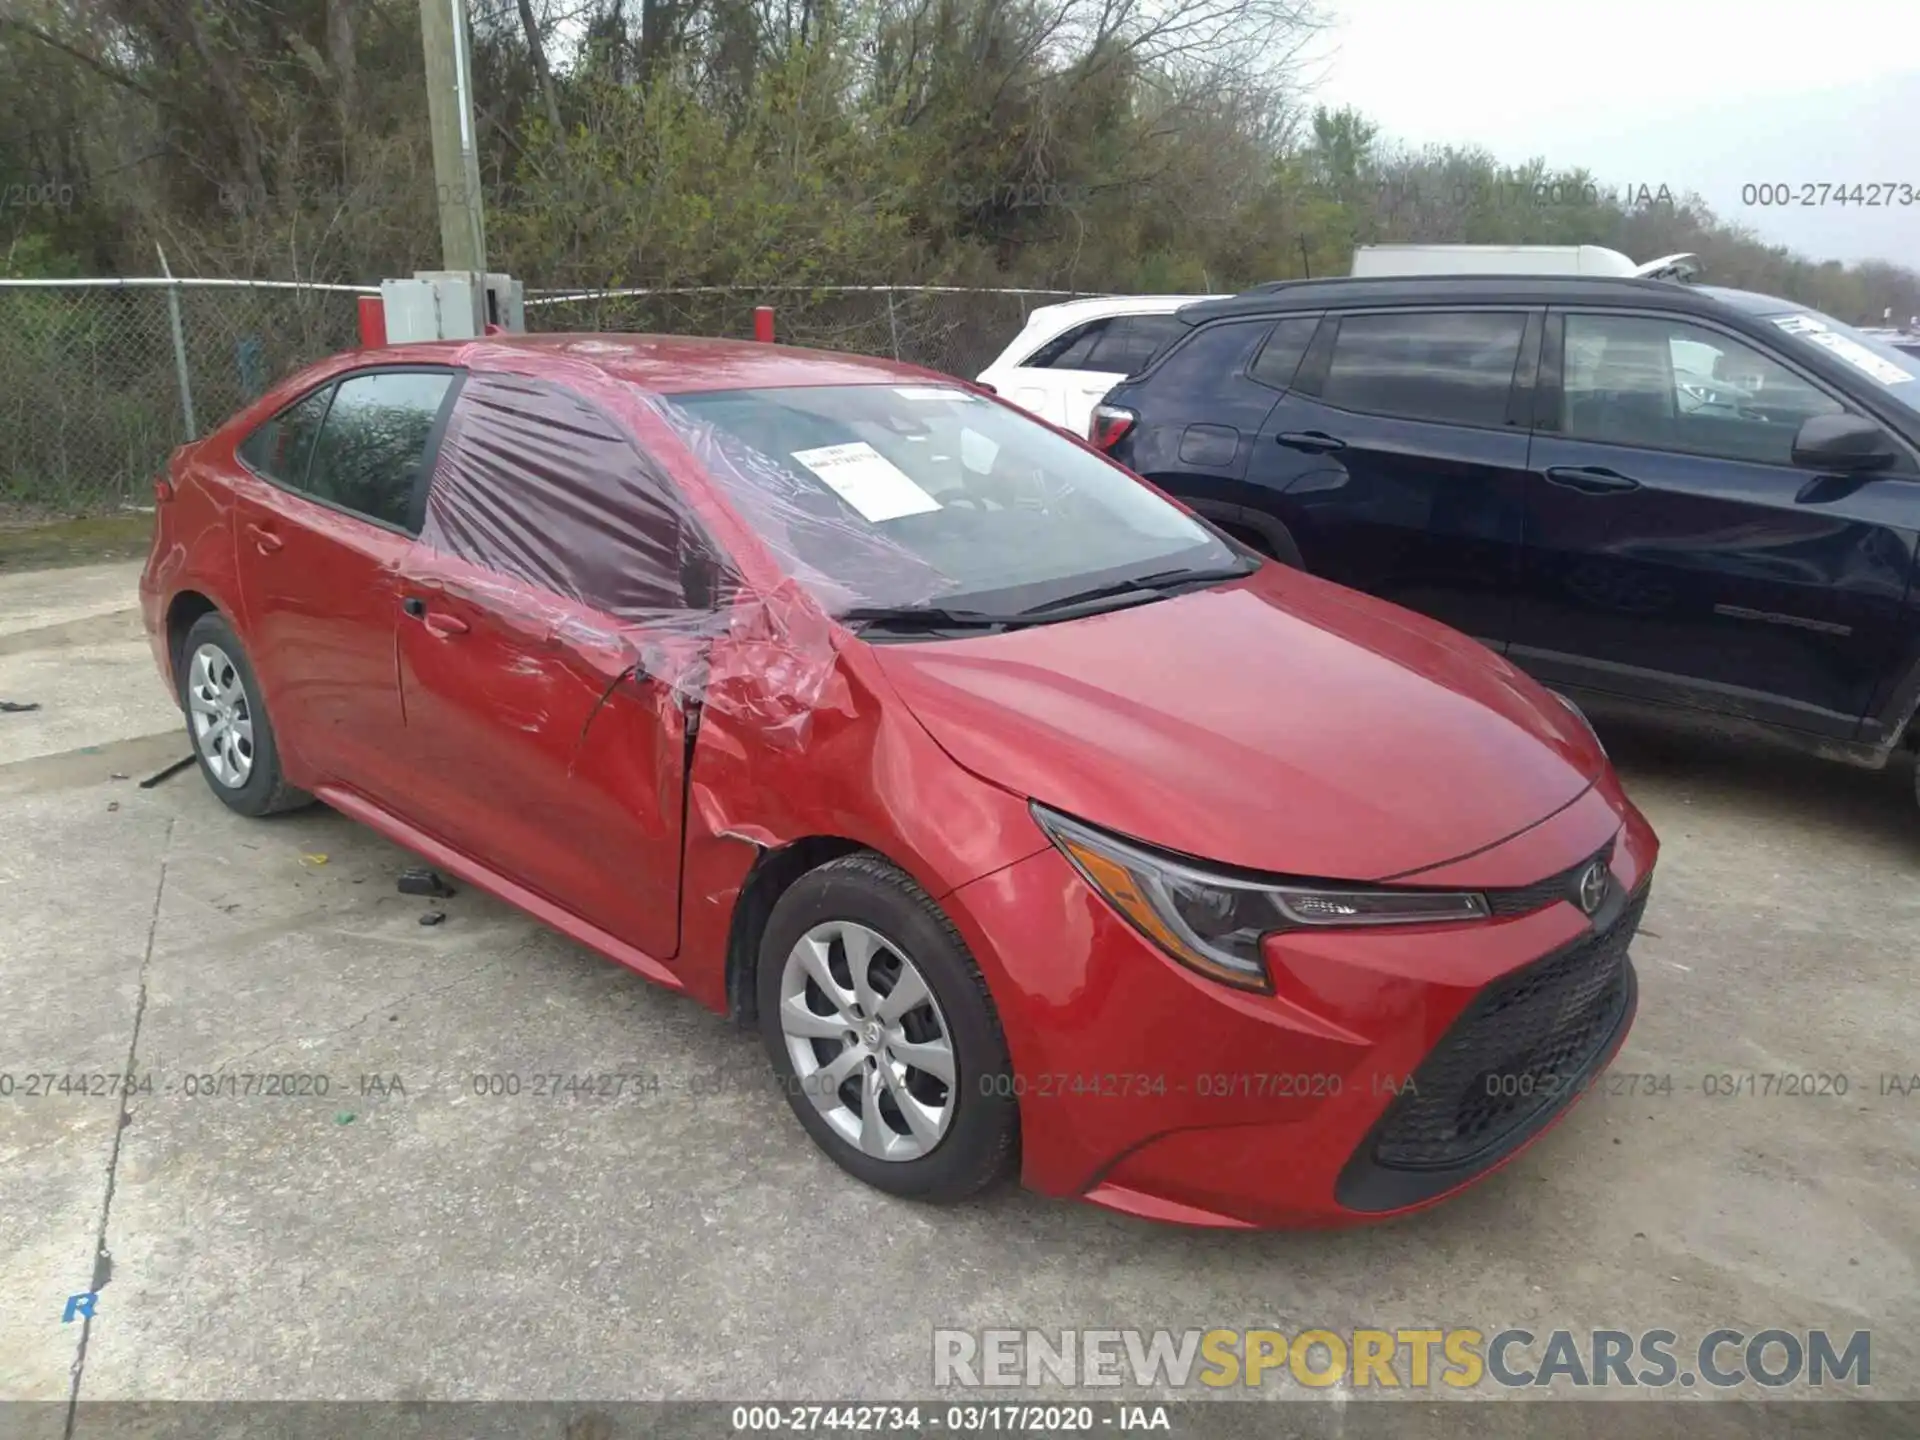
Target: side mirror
1844, 443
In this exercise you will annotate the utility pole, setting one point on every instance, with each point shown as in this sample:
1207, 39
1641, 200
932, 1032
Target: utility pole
456, 158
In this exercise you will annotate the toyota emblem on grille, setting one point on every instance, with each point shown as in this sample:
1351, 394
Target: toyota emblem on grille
1593, 886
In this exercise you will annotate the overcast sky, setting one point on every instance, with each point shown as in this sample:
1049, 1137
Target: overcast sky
1705, 95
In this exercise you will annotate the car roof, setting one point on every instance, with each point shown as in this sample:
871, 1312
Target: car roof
1096, 306
1346, 290
1750, 301
662, 364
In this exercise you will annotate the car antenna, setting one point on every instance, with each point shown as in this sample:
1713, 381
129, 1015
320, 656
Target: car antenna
1306, 261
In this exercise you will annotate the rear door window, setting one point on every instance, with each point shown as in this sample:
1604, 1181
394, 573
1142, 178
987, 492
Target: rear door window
368, 455
1455, 367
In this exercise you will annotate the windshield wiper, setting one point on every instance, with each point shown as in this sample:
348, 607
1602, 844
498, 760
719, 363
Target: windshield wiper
1159, 580
923, 617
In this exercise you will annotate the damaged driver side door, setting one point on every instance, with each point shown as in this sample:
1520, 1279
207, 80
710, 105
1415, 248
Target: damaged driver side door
551, 660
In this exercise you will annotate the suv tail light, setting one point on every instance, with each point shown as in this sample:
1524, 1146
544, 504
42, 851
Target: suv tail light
162, 490
1109, 423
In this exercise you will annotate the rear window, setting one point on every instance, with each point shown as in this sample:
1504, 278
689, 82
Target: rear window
1454, 367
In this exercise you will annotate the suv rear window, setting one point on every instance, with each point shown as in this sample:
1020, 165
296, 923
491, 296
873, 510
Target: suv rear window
1451, 366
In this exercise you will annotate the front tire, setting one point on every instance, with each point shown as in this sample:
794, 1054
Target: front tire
227, 722
883, 1035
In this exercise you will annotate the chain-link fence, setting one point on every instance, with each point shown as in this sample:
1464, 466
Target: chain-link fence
92, 374
947, 328
98, 378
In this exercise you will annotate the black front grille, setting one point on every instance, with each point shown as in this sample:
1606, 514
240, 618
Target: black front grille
1520, 1050
1525, 899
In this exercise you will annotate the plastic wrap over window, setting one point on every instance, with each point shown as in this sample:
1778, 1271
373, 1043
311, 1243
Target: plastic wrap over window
817, 538
535, 483
580, 542
899, 496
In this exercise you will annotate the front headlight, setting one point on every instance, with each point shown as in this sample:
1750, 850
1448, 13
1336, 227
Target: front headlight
1215, 923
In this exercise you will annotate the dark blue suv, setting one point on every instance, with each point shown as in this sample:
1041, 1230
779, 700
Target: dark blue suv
1645, 493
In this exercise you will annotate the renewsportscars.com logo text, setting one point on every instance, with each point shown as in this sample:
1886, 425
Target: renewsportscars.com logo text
1417, 1359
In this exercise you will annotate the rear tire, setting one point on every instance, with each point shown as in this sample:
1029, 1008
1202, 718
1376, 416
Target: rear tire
883, 1035
227, 722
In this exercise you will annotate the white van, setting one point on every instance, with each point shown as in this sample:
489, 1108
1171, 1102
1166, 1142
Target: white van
1376, 260
1068, 356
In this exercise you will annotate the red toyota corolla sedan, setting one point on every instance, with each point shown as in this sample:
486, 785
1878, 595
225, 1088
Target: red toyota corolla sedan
1034, 824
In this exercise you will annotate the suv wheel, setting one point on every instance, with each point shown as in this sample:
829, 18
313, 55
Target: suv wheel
232, 737
880, 1028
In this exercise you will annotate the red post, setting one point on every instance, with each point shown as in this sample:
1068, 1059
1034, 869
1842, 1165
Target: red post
373, 322
763, 324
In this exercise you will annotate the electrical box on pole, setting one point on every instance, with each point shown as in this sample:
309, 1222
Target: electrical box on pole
451, 305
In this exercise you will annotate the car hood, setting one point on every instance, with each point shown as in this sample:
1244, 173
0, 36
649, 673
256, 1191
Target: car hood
1280, 723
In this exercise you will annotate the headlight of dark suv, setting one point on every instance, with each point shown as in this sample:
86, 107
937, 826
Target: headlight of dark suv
1214, 922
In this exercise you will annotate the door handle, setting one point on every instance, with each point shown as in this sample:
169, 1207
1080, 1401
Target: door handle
445, 626
1314, 442
264, 540
1591, 479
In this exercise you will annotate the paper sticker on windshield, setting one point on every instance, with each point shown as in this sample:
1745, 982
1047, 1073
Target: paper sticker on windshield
1851, 351
867, 480
930, 392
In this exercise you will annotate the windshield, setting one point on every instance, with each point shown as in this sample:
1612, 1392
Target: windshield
905, 495
1894, 372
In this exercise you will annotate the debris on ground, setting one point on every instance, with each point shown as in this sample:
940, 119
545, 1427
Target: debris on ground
313, 859
167, 774
118, 775
433, 917
18, 707
420, 880
113, 804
